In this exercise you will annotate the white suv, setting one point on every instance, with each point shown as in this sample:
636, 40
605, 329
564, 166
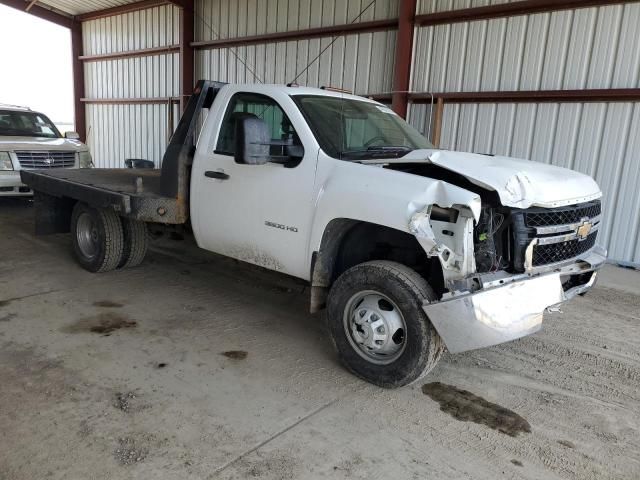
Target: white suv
29, 140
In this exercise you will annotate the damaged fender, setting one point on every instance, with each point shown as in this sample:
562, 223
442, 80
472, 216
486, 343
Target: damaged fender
344, 195
455, 249
451, 242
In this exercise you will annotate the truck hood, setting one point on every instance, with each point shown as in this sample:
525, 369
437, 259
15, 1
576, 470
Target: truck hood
519, 183
39, 143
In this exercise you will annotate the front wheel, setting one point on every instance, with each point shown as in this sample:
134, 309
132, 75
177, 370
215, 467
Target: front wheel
378, 326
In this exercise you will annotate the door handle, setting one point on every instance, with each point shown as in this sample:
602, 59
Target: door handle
218, 175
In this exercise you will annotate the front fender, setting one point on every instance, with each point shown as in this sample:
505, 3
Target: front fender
349, 193
380, 196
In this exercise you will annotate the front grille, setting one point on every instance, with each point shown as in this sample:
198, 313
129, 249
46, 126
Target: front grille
557, 252
45, 159
553, 235
562, 216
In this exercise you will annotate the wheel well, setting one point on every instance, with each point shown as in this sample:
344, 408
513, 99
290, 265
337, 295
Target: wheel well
347, 243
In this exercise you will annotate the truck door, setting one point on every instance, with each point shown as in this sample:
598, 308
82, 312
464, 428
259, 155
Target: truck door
260, 214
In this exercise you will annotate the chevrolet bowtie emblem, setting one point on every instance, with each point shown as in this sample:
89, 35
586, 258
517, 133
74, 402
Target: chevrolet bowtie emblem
583, 230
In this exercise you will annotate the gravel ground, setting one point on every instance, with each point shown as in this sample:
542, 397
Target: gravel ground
197, 367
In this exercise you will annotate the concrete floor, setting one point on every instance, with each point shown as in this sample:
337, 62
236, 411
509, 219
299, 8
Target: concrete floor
158, 399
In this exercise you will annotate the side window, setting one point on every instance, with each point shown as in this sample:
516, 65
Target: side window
260, 106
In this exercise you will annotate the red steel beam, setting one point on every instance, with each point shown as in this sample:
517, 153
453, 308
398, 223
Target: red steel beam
404, 54
78, 81
41, 12
143, 52
186, 52
119, 10
522, 7
525, 96
130, 101
351, 28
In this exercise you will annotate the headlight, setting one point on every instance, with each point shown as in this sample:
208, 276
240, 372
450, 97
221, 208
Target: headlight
5, 161
84, 160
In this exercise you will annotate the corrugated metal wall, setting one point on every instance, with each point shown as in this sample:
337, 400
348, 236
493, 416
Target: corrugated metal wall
433, 6
117, 132
586, 48
362, 62
573, 49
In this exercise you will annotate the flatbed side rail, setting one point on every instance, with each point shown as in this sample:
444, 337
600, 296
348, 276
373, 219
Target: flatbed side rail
57, 187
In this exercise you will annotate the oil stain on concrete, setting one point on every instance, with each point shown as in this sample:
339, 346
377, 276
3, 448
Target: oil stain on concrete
467, 407
235, 354
104, 323
107, 304
566, 443
8, 317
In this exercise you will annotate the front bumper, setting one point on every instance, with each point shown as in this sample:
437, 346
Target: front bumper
509, 306
11, 185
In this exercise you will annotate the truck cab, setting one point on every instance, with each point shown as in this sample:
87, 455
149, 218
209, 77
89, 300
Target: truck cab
409, 249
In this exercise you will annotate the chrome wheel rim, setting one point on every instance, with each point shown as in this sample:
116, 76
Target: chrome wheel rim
375, 327
87, 235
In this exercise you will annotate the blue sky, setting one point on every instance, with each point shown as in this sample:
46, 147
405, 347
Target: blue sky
35, 61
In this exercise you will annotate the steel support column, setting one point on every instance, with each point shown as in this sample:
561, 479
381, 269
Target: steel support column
79, 111
186, 52
404, 54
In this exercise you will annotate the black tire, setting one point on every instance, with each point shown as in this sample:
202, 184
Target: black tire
106, 237
407, 290
136, 241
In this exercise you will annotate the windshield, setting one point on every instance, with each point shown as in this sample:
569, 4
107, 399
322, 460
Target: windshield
26, 124
354, 129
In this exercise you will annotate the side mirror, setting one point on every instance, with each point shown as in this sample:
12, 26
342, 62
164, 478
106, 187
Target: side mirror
252, 141
72, 135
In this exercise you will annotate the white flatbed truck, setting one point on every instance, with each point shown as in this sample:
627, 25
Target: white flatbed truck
411, 249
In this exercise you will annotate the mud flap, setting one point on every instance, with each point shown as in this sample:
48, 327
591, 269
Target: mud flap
52, 214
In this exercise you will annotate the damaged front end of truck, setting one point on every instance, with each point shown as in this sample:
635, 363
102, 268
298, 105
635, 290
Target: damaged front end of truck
505, 259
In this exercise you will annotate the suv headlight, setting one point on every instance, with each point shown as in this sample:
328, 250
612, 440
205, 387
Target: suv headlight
5, 161
84, 160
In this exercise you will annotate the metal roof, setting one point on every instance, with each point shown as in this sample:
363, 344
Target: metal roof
78, 7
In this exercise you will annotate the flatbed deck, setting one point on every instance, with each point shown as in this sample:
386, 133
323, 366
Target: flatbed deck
134, 193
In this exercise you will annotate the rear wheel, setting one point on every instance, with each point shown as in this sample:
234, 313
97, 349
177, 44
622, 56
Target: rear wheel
378, 326
135, 244
97, 237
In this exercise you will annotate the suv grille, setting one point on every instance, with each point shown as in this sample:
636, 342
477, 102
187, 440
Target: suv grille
44, 159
